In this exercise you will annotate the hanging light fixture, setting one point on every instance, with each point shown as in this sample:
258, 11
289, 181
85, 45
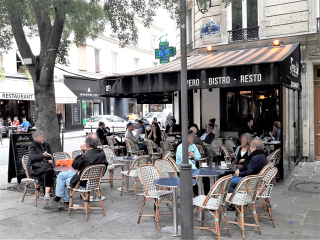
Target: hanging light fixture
203, 5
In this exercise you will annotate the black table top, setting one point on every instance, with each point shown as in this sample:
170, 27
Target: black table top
210, 171
173, 182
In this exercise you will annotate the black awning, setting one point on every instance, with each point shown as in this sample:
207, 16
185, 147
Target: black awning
249, 67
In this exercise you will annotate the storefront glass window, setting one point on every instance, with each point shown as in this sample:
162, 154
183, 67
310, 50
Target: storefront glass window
89, 108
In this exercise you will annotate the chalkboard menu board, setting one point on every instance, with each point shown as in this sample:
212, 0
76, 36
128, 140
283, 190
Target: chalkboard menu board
17, 149
76, 108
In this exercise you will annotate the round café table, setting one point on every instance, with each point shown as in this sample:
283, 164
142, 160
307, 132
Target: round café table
127, 160
209, 171
174, 183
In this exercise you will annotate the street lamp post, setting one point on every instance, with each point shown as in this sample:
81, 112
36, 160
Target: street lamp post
186, 204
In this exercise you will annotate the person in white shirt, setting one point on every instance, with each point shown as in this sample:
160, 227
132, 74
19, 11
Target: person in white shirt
135, 139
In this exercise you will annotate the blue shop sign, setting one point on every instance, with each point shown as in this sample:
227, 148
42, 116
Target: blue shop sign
210, 28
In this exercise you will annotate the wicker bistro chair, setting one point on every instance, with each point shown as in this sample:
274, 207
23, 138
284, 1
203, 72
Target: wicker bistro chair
226, 154
274, 157
163, 136
132, 149
264, 193
110, 155
165, 146
76, 153
165, 167
114, 145
133, 173
92, 174
61, 155
245, 195
214, 203
173, 162
37, 185
203, 155
230, 145
153, 150
147, 174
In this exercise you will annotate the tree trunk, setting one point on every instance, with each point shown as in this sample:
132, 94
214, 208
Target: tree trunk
46, 114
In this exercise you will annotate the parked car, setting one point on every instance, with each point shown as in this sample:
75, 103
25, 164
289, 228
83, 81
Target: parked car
159, 115
110, 121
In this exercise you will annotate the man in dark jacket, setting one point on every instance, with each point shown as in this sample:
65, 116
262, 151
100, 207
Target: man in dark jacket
90, 155
173, 127
207, 136
255, 162
40, 165
102, 133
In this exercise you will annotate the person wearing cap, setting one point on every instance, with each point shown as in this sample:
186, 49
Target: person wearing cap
194, 157
40, 165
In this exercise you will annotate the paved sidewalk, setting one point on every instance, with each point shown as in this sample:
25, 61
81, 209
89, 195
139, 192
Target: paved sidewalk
296, 213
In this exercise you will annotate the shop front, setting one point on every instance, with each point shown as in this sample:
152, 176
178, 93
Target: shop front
17, 98
88, 104
263, 83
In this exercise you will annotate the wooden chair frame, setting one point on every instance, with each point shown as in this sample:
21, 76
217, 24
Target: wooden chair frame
87, 191
134, 165
131, 148
155, 154
163, 172
222, 185
156, 214
203, 158
112, 142
37, 185
240, 208
226, 154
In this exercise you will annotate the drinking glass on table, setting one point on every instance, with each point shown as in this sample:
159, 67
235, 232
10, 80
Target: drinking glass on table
213, 165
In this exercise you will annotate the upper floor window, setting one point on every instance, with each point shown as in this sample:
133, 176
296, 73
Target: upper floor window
136, 63
153, 42
189, 26
97, 60
114, 61
244, 14
82, 58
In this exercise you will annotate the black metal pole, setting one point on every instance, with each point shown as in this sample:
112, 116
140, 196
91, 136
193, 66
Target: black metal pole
186, 206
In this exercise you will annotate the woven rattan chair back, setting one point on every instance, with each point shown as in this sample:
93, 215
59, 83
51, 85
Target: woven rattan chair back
165, 167
171, 139
166, 155
110, 155
61, 155
25, 161
264, 169
201, 150
230, 145
93, 175
151, 145
141, 160
76, 153
175, 165
274, 157
266, 185
163, 136
219, 191
131, 147
165, 146
216, 146
246, 190
226, 154
147, 174
110, 141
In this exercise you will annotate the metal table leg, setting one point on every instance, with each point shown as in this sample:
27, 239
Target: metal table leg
174, 231
127, 179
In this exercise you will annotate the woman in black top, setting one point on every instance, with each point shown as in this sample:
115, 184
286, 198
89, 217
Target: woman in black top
155, 133
243, 151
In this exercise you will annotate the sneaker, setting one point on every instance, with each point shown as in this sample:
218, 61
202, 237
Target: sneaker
47, 197
53, 205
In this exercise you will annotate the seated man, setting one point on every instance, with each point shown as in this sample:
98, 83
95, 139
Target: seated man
256, 161
173, 127
207, 137
90, 155
102, 133
194, 156
141, 127
40, 165
135, 139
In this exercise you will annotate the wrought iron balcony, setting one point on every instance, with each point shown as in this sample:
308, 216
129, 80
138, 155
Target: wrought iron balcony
318, 24
243, 35
189, 47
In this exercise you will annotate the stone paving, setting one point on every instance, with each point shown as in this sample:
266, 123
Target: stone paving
296, 213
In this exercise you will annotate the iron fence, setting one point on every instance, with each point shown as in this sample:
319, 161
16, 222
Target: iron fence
243, 35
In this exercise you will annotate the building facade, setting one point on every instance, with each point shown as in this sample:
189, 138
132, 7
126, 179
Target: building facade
247, 24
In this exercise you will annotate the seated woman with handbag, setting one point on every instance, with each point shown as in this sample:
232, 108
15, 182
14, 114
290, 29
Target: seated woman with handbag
243, 151
40, 165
